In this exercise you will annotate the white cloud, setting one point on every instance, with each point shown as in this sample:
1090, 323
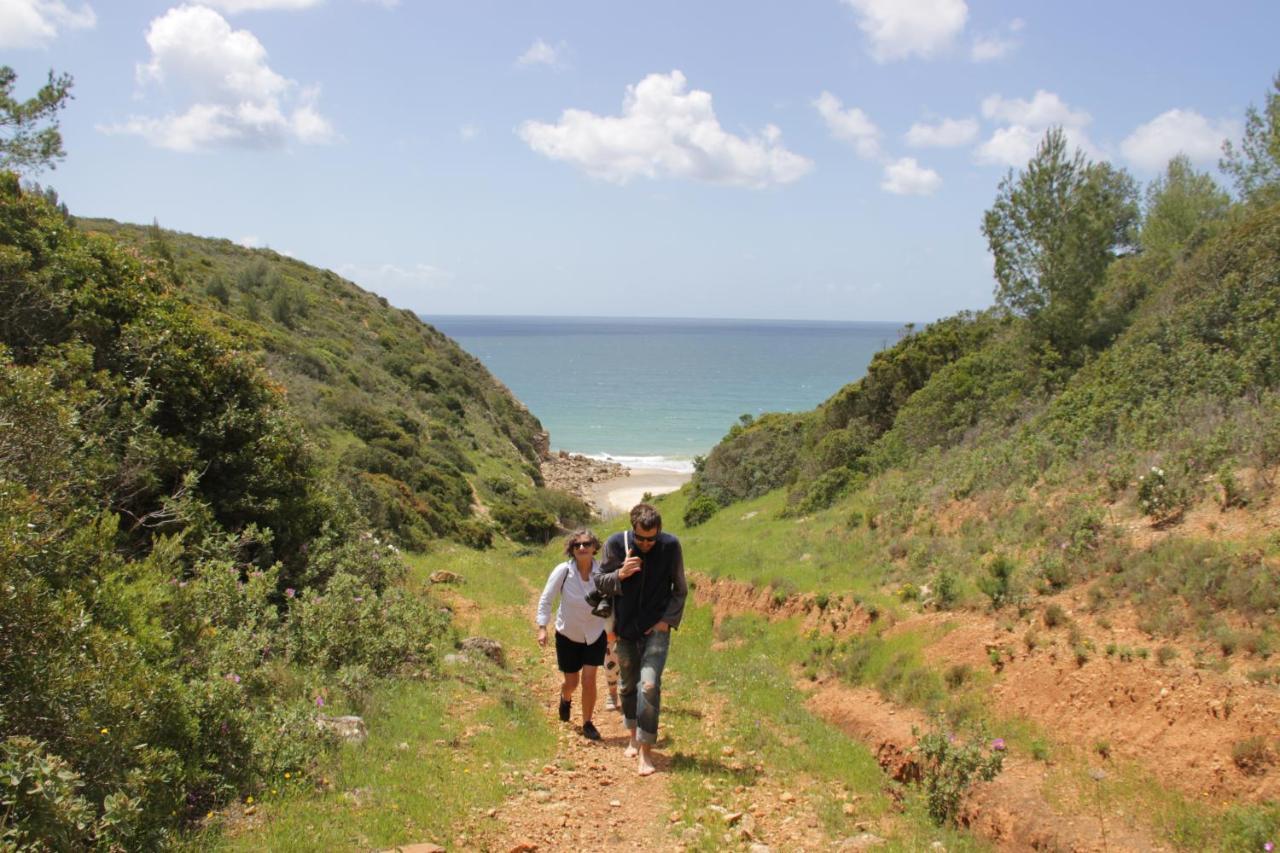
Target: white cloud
851, 125
907, 177
899, 29
468, 132
541, 53
1025, 125
234, 6
250, 241
665, 132
947, 133
992, 46
1152, 145
35, 23
238, 99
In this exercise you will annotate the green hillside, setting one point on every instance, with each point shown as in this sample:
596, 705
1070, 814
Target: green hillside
1164, 396
430, 444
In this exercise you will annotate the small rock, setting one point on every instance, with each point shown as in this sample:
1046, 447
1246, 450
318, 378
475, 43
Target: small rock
849, 809
674, 817
491, 813
524, 847
865, 841
939, 846
249, 810
491, 649
730, 818
542, 796
614, 803
402, 746
759, 848
787, 797
424, 847
445, 577
727, 750
349, 728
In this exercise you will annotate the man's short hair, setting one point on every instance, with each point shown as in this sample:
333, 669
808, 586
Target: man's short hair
646, 517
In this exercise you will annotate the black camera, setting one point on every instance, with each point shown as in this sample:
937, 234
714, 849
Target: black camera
601, 604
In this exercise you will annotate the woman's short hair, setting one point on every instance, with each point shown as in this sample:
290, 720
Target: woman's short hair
578, 535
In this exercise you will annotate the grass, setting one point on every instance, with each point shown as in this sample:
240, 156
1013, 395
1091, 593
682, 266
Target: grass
377, 793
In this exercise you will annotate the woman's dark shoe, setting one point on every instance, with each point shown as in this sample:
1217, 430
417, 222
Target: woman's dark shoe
565, 705
589, 731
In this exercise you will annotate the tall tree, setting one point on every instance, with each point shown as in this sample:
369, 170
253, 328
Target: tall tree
1054, 228
29, 137
1255, 165
1181, 207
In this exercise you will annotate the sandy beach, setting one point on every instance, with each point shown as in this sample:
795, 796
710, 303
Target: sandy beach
617, 495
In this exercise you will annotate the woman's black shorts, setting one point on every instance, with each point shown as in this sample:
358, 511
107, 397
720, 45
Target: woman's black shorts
571, 656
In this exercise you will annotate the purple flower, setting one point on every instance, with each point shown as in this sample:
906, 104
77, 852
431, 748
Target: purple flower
289, 592
1268, 847
233, 678
319, 701
998, 744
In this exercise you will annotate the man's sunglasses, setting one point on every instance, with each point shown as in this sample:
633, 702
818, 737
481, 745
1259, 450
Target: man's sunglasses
639, 538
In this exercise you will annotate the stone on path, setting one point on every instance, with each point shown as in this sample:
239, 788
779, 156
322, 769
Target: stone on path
425, 847
442, 576
491, 649
862, 841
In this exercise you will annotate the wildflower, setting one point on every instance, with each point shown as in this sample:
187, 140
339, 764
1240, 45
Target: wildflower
288, 775
319, 701
289, 592
1268, 847
105, 731
359, 598
998, 744
248, 800
232, 677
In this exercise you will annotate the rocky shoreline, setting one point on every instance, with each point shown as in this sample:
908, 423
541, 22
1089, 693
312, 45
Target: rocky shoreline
580, 475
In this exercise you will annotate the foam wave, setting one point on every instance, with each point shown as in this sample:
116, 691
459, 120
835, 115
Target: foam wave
663, 463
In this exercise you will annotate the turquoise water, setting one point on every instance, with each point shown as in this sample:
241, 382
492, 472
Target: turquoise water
659, 392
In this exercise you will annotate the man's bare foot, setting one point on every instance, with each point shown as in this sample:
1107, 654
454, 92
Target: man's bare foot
646, 762
632, 750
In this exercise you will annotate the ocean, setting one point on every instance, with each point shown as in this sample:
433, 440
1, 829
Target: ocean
658, 392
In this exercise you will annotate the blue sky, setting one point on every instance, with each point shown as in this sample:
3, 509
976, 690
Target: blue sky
822, 159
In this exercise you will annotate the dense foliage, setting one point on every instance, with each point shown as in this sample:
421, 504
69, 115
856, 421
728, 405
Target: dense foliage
180, 581
416, 428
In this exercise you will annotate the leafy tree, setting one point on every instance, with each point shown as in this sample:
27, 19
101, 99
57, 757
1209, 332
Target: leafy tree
26, 146
1182, 206
1255, 165
1053, 230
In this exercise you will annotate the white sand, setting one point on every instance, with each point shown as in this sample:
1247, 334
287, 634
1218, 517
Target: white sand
619, 495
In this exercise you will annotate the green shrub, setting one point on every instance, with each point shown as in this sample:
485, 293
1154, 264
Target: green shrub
1161, 496
699, 510
997, 582
946, 589
949, 766
1054, 616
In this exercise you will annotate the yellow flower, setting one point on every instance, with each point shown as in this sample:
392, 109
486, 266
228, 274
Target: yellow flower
288, 775
248, 800
105, 731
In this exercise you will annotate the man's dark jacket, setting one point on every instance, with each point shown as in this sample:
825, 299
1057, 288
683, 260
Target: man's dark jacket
654, 594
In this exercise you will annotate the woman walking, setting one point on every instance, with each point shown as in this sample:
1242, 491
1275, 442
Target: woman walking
580, 637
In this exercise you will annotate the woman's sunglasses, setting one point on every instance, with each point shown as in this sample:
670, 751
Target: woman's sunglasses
584, 544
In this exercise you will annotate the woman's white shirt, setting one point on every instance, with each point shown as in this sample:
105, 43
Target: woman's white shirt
573, 617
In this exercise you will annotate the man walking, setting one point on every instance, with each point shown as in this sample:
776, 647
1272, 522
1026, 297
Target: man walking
644, 568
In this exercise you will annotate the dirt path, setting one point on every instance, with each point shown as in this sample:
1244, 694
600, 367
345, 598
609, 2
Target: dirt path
589, 797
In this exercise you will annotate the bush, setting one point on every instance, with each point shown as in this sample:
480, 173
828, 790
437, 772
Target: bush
1160, 496
699, 510
950, 766
998, 580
